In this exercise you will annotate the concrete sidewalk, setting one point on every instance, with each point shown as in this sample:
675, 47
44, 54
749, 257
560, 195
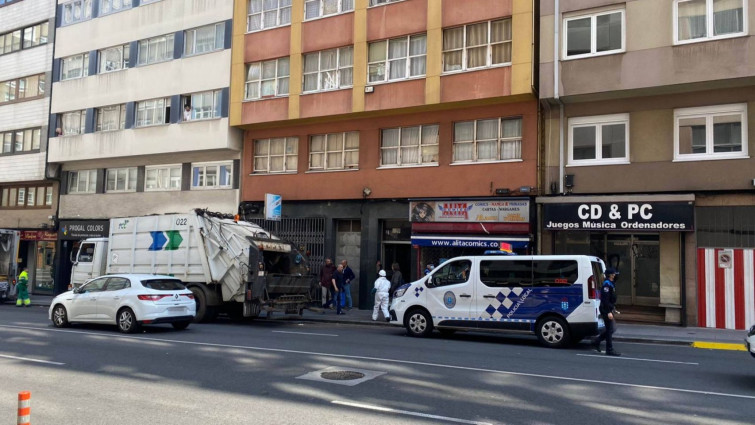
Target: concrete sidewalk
628, 332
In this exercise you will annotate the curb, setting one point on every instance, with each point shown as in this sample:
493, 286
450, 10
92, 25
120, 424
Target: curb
719, 346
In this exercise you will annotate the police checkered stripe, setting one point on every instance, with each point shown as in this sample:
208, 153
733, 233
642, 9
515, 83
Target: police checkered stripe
484, 319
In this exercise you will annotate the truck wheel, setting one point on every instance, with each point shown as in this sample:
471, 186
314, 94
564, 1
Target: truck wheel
553, 332
205, 313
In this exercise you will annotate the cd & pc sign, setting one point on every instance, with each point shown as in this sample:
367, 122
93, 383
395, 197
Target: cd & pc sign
618, 216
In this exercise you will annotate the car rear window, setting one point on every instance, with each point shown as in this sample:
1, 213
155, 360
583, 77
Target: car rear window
163, 284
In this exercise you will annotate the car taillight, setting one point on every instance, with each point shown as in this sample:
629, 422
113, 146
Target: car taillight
151, 297
189, 296
592, 291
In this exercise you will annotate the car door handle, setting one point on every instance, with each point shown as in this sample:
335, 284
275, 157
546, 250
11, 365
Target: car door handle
465, 296
488, 296
116, 298
93, 299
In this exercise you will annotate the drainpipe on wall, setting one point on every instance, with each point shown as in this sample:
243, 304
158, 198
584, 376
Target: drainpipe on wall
556, 70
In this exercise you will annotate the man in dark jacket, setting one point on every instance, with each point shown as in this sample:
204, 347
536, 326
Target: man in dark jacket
348, 277
326, 279
396, 279
607, 308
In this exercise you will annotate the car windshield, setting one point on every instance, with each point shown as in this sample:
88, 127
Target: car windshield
163, 284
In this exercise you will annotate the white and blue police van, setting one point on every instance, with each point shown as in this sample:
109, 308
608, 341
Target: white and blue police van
554, 296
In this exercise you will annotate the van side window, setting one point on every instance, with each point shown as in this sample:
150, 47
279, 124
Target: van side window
554, 272
499, 273
86, 253
451, 274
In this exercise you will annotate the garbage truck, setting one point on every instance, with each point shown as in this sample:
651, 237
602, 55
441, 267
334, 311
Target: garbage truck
231, 266
9, 240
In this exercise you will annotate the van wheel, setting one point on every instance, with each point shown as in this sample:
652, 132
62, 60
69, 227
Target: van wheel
418, 323
553, 332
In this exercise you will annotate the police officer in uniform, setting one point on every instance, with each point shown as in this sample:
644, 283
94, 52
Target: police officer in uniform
607, 309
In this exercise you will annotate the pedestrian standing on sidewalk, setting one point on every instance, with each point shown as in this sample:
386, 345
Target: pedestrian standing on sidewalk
326, 279
382, 286
337, 289
22, 288
348, 277
607, 310
396, 280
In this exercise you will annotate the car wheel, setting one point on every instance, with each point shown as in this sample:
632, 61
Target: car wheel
553, 332
418, 323
181, 325
127, 321
60, 317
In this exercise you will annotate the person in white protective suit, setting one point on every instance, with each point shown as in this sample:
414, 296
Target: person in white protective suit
382, 286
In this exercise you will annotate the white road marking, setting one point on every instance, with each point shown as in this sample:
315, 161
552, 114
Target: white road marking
405, 412
26, 359
378, 359
303, 333
637, 359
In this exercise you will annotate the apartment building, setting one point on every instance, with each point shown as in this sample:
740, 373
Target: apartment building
139, 116
28, 192
393, 131
649, 113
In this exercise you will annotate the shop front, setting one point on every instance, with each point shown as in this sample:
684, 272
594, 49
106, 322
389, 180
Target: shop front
37, 252
70, 234
643, 237
443, 229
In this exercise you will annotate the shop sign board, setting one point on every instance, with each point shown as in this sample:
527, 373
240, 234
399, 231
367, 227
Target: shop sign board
468, 242
470, 211
620, 216
38, 235
82, 229
273, 205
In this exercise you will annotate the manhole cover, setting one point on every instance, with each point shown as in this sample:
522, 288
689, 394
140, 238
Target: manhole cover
341, 375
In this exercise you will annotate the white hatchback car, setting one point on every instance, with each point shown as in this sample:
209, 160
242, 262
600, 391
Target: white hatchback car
126, 300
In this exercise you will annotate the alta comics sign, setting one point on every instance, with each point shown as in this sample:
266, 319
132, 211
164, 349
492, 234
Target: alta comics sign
632, 216
493, 211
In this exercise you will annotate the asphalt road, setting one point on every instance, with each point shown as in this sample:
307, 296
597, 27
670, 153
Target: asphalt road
229, 373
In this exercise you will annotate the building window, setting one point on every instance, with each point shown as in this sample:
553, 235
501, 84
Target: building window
114, 59
26, 197
22, 88
716, 132
156, 49
74, 123
20, 141
204, 39
593, 35
279, 155
7, 2
76, 11
111, 118
113, 6
267, 79
76, 66
488, 140
318, 8
328, 69
152, 112
201, 106
409, 145
700, 20
380, 2
212, 175
397, 58
336, 151
32, 36
477, 46
121, 180
82, 181
163, 177
265, 14
599, 140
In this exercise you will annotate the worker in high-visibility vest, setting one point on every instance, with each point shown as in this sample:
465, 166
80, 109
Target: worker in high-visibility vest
22, 289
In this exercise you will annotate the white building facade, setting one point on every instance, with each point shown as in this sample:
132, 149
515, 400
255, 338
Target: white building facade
28, 193
139, 115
